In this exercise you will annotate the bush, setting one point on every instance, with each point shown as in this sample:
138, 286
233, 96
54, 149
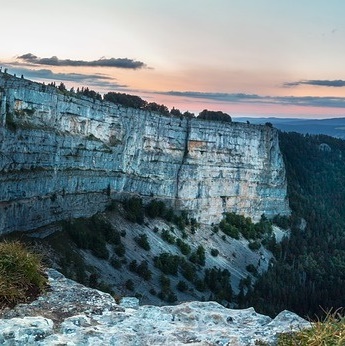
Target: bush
281, 221
99, 248
198, 256
182, 286
230, 230
188, 270
184, 247
214, 115
169, 215
252, 269
115, 262
133, 266
142, 241
155, 208
21, 274
167, 263
144, 271
167, 237
214, 252
135, 210
218, 282
255, 245
120, 250
152, 291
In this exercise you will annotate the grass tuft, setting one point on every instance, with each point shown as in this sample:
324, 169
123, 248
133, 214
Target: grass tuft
21, 274
329, 332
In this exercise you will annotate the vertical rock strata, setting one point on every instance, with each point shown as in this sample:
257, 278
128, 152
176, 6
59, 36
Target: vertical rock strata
63, 156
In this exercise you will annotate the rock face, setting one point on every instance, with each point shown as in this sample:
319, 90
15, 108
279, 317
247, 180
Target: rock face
63, 156
71, 314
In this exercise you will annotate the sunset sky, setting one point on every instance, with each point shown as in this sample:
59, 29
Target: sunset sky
244, 57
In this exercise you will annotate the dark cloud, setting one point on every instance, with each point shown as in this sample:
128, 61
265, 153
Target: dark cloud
92, 80
310, 101
328, 83
103, 62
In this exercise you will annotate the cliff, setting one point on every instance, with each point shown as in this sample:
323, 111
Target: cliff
72, 314
62, 156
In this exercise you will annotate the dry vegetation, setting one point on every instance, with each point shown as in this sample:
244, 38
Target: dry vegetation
21, 274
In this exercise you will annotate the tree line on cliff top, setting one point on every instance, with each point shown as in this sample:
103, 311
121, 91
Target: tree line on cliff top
133, 101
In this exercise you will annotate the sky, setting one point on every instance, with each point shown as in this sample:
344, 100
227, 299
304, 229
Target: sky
255, 58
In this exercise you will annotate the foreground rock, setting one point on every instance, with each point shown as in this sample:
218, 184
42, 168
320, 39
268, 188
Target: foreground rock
71, 314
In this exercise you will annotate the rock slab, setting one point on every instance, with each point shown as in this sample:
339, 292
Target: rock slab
71, 314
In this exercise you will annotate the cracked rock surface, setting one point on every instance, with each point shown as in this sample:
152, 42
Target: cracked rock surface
71, 314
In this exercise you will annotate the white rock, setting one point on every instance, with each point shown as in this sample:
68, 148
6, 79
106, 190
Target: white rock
192, 323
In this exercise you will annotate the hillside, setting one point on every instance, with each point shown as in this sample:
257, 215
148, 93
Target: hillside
159, 261
308, 275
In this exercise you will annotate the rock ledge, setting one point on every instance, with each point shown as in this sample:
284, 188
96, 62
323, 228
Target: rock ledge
71, 314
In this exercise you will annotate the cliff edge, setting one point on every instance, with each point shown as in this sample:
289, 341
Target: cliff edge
64, 156
72, 314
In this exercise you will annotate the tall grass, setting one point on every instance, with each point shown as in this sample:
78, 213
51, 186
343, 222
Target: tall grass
21, 274
329, 332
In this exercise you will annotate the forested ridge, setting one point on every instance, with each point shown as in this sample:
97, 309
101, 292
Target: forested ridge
308, 275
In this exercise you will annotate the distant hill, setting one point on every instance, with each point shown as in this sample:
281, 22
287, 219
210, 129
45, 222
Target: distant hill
334, 127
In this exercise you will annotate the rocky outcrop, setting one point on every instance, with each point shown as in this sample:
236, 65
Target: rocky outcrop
71, 314
62, 156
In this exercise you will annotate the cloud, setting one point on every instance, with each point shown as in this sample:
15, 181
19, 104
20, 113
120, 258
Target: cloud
97, 80
328, 83
103, 62
308, 101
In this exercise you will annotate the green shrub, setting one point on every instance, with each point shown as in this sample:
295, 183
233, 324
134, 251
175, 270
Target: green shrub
167, 263
198, 256
155, 208
252, 269
169, 215
21, 274
218, 282
282, 221
133, 266
167, 237
120, 250
144, 271
199, 285
182, 286
188, 270
230, 230
214, 252
99, 248
93, 234
142, 241
115, 262
184, 247
255, 245
152, 291
135, 210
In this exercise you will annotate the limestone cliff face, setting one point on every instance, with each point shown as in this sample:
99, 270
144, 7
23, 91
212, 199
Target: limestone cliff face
63, 156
